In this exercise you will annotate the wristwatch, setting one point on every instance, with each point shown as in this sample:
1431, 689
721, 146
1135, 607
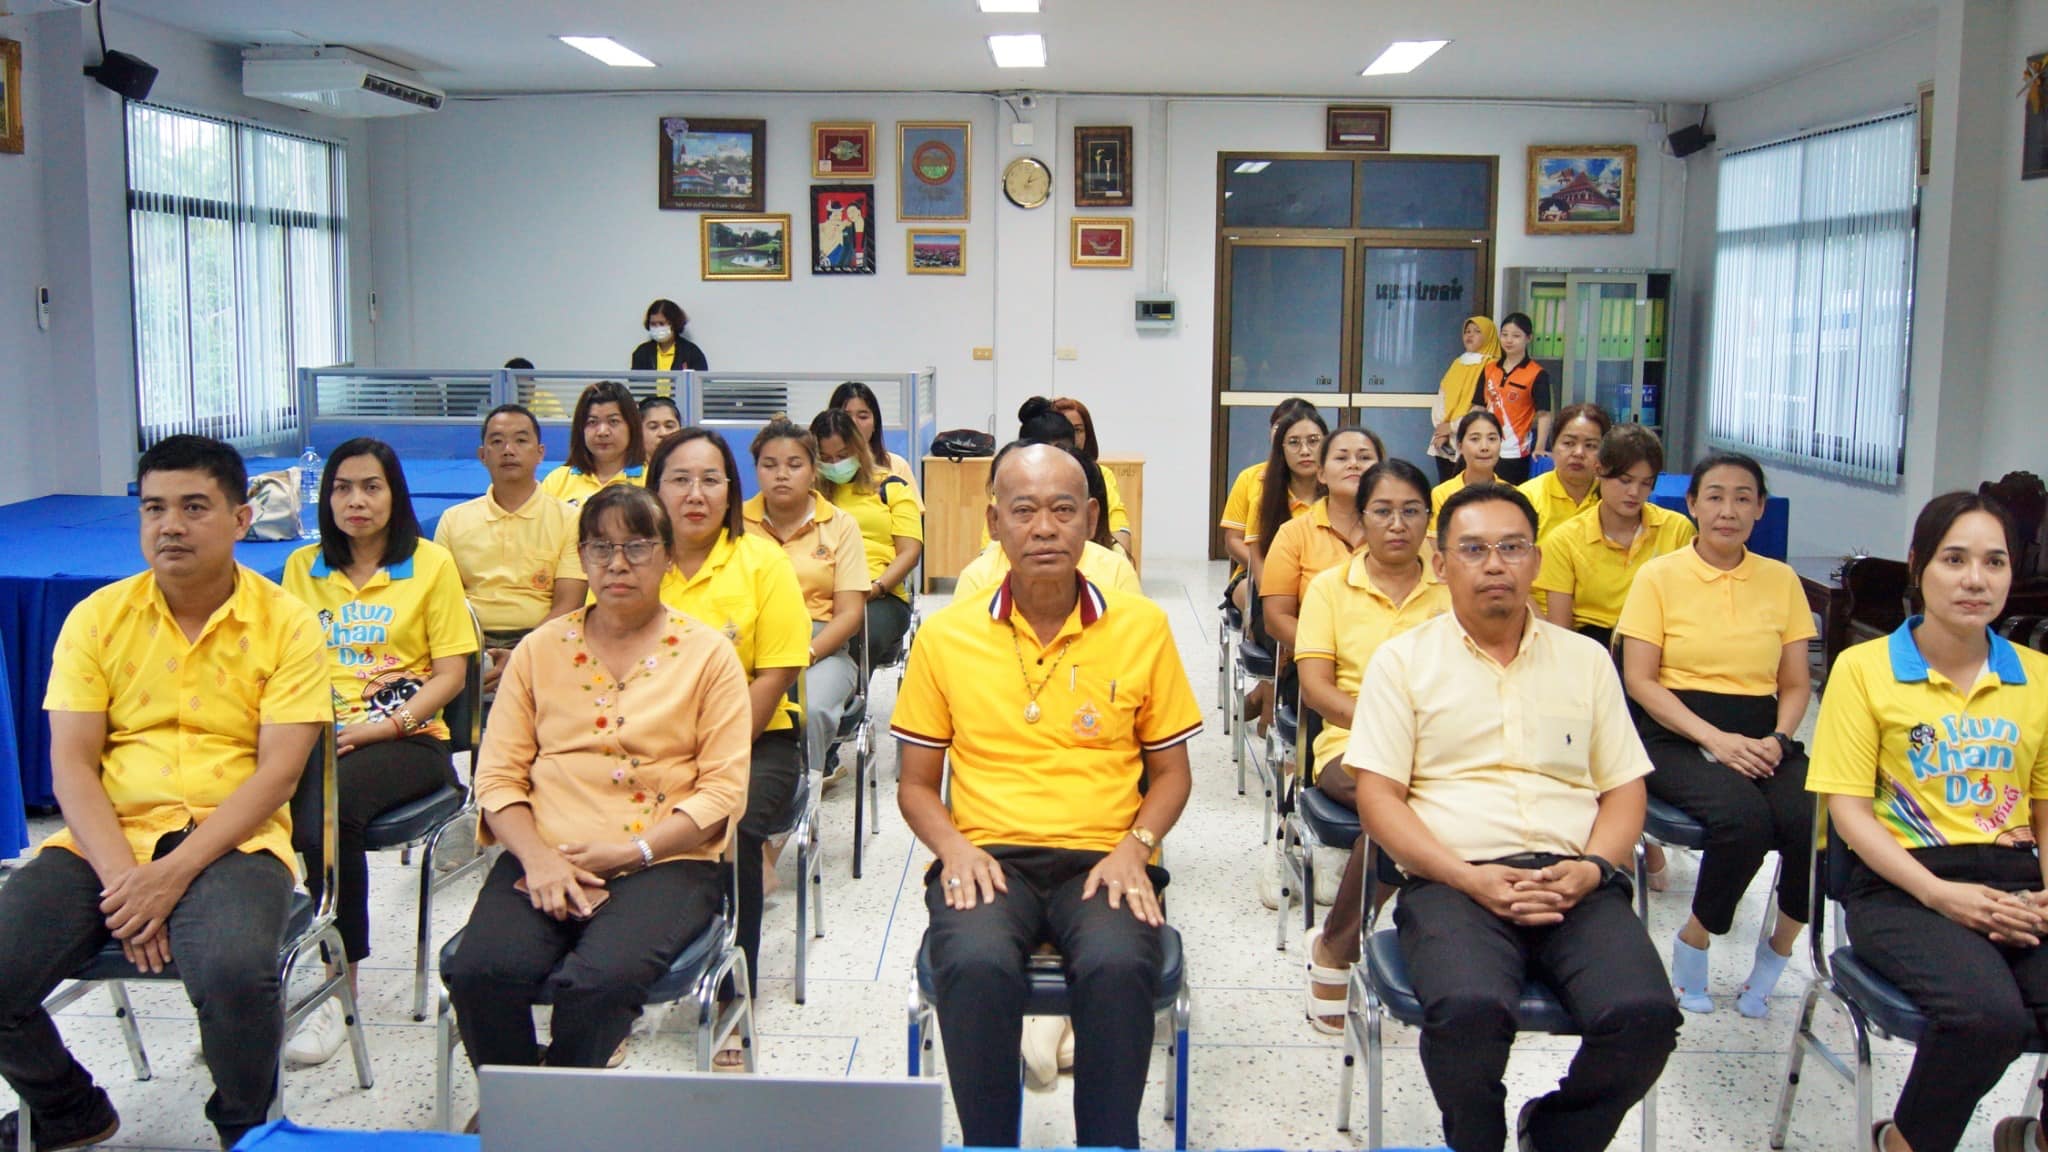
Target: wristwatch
1610, 876
1143, 835
1784, 741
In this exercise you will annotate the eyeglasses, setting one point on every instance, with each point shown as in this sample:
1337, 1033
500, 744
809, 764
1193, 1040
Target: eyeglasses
1511, 550
1303, 443
1387, 513
709, 482
599, 553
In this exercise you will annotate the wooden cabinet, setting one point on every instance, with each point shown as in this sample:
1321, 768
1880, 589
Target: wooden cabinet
956, 491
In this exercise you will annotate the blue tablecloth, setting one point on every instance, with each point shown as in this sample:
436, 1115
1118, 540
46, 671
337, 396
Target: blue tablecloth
54, 552
13, 821
425, 477
1771, 537
285, 1136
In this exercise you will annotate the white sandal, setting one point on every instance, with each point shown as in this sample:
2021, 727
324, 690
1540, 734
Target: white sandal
1317, 1008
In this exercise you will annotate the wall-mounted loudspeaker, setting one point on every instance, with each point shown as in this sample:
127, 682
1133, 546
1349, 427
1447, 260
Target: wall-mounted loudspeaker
131, 76
1687, 141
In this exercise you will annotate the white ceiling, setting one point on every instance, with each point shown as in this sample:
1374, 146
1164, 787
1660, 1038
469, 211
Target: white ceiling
1650, 50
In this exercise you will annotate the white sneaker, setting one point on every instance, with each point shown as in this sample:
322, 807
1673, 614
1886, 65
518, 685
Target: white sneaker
1269, 879
319, 1038
1330, 865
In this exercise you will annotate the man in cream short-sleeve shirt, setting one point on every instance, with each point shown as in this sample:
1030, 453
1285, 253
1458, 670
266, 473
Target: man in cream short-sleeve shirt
1497, 766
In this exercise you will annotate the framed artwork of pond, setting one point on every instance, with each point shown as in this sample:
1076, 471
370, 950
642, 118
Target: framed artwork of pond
1582, 190
745, 247
933, 157
713, 165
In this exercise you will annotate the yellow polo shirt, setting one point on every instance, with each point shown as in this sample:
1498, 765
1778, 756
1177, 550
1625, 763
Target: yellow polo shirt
825, 552
1498, 760
1239, 506
1105, 567
1441, 493
1553, 504
509, 561
891, 510
1942, 765
1303, 549
1345, 619
572, 486
900, 469
1253, 530
747, 591
1579, 561
383, 638
1720, 631
182, 719
1111, 687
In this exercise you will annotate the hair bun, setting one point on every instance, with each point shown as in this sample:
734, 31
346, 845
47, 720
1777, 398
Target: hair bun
1035, 407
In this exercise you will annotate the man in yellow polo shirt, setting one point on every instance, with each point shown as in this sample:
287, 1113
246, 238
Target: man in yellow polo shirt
514, 546
183, 703
1049, 838
1496, 764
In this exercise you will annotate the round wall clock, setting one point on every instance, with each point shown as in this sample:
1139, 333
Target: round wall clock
1027, 182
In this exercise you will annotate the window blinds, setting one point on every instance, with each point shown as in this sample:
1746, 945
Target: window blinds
236, 235
1813, 300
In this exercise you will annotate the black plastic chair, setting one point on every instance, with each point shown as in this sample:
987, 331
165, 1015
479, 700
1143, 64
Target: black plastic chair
309, 930
1871, 1002
799, 823
1380, 987
1048, 997
710, 960
1310, 820
430, 817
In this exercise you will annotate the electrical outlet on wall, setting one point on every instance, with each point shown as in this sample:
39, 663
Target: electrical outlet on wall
984, 353
1066, 354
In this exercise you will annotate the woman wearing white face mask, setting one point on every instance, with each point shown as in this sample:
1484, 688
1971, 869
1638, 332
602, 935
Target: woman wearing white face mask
891, 523
665, 347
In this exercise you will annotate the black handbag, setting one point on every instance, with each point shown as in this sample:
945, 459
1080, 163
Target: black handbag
961, 443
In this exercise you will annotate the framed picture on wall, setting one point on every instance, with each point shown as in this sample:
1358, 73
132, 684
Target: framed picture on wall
2034, 143
1582, 190
713, 165
1102, 167
1924, 121
745, 247
10, 96
1100, 242
1358, 128
933, 158
936, 251
843, 151
842, 229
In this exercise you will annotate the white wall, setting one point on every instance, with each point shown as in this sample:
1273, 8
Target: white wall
528, 226
1976, 385
78, 379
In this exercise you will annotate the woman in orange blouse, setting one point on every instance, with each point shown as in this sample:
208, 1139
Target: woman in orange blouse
613, 771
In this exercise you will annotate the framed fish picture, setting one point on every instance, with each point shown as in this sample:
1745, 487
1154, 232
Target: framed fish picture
843, 151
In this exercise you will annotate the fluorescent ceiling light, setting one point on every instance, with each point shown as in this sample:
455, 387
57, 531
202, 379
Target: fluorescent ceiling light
608, 50
1026, 51
1251, 167
1403, 56
1008, 5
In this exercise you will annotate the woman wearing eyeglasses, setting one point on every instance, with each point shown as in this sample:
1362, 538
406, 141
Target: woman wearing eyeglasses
743, 588
1347, 613
1590, 561
613, 771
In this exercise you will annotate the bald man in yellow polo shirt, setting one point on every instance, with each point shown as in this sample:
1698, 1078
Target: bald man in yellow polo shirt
183, 703
1054, 699
1497, 765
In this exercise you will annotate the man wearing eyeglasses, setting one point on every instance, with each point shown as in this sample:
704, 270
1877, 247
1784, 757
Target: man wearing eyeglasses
1497, 766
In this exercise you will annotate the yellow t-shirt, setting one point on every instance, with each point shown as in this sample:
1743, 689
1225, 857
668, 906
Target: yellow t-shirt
383, 638
1345, 619
1111, 688
1104, 567
1940, 764
1441, 493
747, 591
1553, 504
900, 469
1240, 507
891, 510
825, 552
183, 718
1499, 760
1579, 561
1720, 631
1304, 548
1253, 530
509, 561
572, 486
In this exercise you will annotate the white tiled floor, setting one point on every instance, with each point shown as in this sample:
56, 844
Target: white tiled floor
1261, 1077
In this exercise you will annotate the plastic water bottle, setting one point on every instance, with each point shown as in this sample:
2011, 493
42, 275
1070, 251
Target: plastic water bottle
309, 494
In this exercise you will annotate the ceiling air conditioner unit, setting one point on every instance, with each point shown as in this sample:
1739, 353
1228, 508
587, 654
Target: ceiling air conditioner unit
335, 82
31, 7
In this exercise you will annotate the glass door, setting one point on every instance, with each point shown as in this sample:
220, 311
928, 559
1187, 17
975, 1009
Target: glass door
1413, 301
1604, 348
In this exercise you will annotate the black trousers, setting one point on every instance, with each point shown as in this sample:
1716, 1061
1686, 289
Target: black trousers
369, 782
596, 972
771, 782
226, 932
888, 618
978, 962
1983, 1002
1468, 967
1745, 819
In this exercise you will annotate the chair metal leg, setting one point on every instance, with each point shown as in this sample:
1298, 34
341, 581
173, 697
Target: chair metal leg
1649, 1107
803, 909
1802, 1035
444, 1061
860, 793
1288, 874
817, 875
359, 1045
1177, 1105
125, 1013
1375, 1132
1866, 1112
1354, 1042
425, 937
